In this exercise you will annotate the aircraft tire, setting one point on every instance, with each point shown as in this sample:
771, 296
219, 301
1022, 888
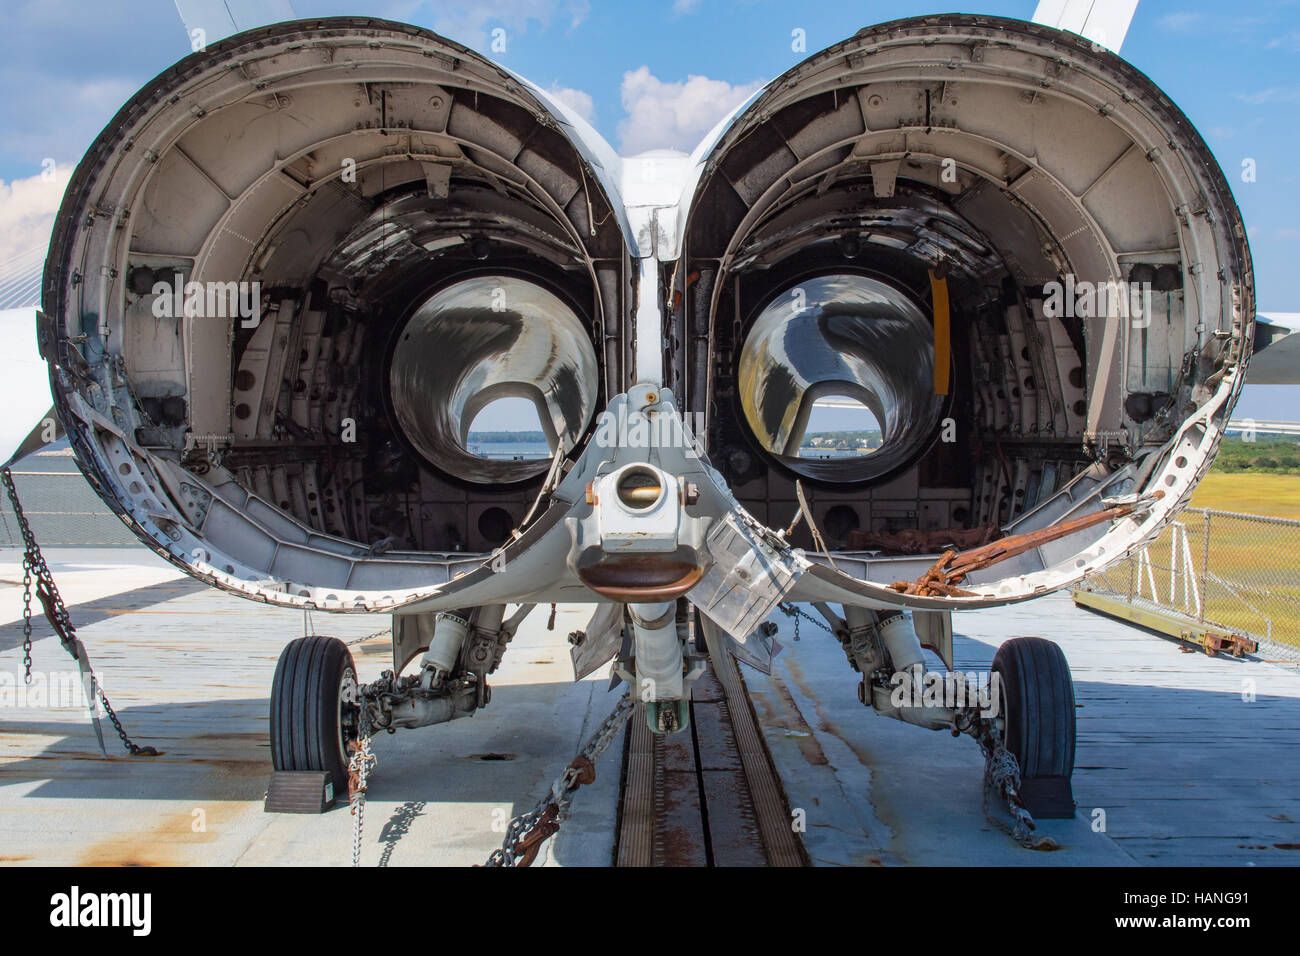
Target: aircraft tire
311, 721
1038, 707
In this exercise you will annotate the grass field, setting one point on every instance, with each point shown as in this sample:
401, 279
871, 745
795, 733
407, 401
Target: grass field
1252, 582
1277, 496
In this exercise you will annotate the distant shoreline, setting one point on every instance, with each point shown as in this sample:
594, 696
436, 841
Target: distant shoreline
872, 438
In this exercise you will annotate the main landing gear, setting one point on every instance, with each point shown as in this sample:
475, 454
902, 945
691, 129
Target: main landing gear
1023, 717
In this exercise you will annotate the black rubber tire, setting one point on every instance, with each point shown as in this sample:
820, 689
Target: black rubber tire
1038, 710
308, 725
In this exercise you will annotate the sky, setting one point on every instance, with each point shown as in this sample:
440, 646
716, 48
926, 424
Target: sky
660, 74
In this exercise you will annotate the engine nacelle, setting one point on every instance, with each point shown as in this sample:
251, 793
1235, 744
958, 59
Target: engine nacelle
1005, 243
290, 274
296, 267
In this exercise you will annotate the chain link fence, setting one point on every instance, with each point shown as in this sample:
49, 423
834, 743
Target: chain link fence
1235, 572
61, 508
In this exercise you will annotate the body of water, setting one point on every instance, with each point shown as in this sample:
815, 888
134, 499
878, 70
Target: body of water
509, 450
525, 450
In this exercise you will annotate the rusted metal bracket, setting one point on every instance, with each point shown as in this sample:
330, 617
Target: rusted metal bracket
951, 569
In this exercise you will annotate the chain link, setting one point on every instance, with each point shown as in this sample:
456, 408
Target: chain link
795, 612
1225, 606
27, 612
1002, 779
526, 833
56, 612
1001, 769
359, 768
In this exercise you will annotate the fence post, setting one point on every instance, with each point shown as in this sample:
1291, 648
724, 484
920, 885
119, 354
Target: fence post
1173, 564
1132, 574
1205, 566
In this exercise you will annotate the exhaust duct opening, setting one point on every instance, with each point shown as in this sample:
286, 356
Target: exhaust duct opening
480, 341
842, 335
516, 419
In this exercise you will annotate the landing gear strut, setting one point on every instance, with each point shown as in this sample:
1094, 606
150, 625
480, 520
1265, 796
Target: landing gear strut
318, 710
1023, 721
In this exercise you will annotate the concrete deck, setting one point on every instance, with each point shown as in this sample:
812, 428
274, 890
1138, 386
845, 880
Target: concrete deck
1185, 769
1173, 765
189, 669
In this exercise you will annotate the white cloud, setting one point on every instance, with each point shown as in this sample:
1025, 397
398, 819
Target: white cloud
56, 116
27, 208
471, 23
682, 7
576, 100
1290, 42
674, 115
1242, 29
1181, 22
1274, 94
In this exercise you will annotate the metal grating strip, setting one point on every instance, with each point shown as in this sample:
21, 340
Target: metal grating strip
783, 847
637, 826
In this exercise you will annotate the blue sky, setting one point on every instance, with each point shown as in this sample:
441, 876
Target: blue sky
1233, 68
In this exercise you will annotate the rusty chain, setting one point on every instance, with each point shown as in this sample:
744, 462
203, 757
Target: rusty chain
1002, 778
359, 766
526, 833
790, 610
56, 612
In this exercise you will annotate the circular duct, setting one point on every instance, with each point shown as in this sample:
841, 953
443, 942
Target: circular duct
480, 340
840, 335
